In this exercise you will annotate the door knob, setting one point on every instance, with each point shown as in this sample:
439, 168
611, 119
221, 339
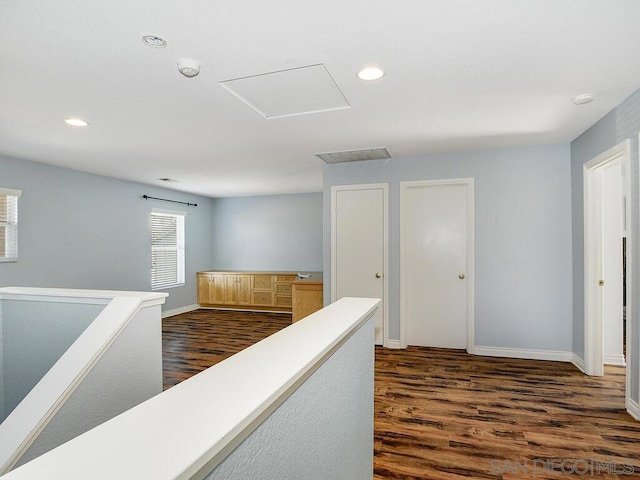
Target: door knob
378, 275
461, 276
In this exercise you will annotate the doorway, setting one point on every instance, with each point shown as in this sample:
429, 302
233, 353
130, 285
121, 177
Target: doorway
607, 266
436, 262
359, 239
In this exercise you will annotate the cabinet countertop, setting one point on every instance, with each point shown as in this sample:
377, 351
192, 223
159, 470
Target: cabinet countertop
314, 279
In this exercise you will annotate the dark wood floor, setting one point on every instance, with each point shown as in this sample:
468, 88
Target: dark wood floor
444, 414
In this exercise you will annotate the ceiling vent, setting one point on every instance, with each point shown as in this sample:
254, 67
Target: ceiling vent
354, 155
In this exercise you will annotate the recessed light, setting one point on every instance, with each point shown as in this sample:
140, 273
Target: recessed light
153, 41
582, 99
75, 122
370, 73
168, 180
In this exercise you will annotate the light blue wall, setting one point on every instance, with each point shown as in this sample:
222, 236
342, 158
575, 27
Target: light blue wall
78, 230
621, 123
35, 335
323, 431
275, 232
523, 283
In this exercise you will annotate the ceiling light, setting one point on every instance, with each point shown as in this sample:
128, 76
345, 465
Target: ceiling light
153, 41
188, 67
582, 99
75, 122
168, 180
370, 73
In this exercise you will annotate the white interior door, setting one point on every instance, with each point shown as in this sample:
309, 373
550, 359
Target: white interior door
612, 226
436, 268
358, 251
601, 207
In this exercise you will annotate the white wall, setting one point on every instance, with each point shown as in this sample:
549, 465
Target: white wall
275, 232
78, 230
523, 284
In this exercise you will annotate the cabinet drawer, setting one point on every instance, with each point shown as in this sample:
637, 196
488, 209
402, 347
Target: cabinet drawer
262, 298
262, 282
283, 301
283, 288
286, 278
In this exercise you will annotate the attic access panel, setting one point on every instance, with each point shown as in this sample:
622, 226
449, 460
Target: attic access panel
297, 91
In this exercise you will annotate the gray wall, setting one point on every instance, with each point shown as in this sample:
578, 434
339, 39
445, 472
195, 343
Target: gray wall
324, 430
276, 232
523, 283
78, 230
35, 335
621, 123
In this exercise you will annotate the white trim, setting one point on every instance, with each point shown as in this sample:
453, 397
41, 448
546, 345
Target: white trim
10, 191
70, 295
179, 310
385, 261
161, 211
469, 182
617, 360
395, 344
633, 408
577, 361
525, 353
593, 328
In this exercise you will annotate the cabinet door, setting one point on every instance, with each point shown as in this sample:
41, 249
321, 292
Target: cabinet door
203, 288
216, 289
230, 289
243, 284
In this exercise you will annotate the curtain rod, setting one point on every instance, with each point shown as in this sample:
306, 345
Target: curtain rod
147, 197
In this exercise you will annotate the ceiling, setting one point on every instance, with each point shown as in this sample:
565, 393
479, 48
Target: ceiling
460, 75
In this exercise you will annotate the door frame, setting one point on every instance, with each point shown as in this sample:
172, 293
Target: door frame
592, 198
385, 247
470, 274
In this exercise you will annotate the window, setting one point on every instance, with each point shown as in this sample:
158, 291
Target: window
9, 224
167, 249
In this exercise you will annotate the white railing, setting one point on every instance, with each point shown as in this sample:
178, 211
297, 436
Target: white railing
298, 404
114, 364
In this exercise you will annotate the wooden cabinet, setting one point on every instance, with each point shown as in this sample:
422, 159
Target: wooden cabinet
269, 291
307, 297
224, 289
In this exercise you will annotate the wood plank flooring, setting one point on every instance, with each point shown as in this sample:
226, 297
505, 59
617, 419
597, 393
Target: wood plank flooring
444, 414
194, 341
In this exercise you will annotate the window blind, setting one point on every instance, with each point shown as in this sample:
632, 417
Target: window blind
9, 224
167, 249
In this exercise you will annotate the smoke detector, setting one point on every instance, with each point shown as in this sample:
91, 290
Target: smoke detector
188, 67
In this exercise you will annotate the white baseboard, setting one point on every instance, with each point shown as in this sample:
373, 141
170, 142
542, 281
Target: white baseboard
615, 360
179, 310
553, 355
578, 362
633, 408
393, 344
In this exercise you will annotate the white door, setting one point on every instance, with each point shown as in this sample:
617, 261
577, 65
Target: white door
359, 223
612, 225
601, 277
436, 229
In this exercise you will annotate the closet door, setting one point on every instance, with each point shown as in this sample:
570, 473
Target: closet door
359, 246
